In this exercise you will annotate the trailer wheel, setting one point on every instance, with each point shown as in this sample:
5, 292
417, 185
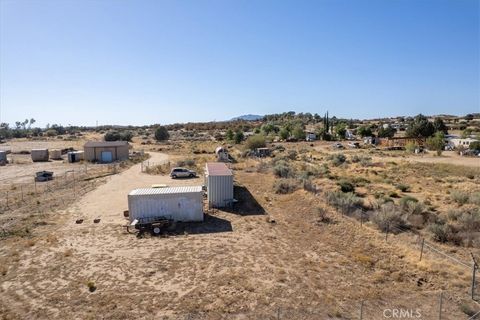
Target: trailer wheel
156, 231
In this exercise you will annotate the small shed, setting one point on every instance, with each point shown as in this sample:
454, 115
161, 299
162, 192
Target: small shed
75, 156
106, 151
3, 158
178, 203
56, 154
39, 155
219, 184
222, 154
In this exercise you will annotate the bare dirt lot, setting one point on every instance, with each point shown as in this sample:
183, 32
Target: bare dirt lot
270, 259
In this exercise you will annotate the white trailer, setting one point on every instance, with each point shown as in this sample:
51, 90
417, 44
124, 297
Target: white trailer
183, 204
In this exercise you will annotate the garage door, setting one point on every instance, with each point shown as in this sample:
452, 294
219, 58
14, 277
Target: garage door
106, 156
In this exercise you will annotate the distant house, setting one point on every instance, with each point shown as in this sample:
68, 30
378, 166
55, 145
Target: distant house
458, 142
106, 151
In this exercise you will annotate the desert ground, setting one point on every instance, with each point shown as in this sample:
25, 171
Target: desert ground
271, 257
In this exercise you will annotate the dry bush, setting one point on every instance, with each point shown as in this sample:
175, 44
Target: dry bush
459, 197
337, 159
474, 198
345, 202
309, 186
389, 218
158, 169
284, 186
283, 169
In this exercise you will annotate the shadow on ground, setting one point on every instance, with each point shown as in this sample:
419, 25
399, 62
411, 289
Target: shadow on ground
247, 205
211, 224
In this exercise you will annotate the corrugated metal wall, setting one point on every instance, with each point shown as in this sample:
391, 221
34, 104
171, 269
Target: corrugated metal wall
219, 191
94, 153
179, 207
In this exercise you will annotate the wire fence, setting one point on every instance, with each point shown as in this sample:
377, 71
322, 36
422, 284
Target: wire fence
70, 184
404, 236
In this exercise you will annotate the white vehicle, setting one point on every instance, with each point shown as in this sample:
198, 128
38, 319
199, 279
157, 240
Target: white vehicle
182, 173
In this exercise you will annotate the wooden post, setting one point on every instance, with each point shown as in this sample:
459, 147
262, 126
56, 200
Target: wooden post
361, 311
386, 233
440, 309
35, 184
7, 198
21, 189
474, 269
421, 249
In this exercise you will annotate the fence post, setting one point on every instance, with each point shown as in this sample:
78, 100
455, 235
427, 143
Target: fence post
361, 311
7, 198
440, 309
421, 250
386, 233
35, 184
21, 189
474, 269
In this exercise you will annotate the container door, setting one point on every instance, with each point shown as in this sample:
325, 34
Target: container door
106, 156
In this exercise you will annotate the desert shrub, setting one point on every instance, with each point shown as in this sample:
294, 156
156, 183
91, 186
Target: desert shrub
284, 186
254, 142
322, 215
410, 147
186, 163
403, 187
474, 198
454, 214
161, 133
442, 232
262, 167
413, 208
91, 286
405, 200
309, 186
292, 154
388, 218
346, 186
459, 197
282, 169
346, 202
469, 220
337, 159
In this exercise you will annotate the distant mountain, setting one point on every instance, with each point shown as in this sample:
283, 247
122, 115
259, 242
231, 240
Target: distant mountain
248, 117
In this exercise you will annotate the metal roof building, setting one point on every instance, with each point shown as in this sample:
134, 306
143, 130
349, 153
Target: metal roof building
106, 151
219, 183
177, 203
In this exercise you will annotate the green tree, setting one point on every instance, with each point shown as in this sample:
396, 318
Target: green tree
256, 141
111, 135
238, 138
420, 127
284, 134
229, 135
387, 132
475, 145
439, 125
298, 133
437, 142
341, 130
161, 133
364, 131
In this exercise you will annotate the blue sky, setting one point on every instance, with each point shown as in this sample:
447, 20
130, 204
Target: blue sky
144, 62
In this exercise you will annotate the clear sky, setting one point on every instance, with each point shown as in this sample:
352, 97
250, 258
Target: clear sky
145, 62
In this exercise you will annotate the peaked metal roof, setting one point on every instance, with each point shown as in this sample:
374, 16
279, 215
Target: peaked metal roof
105, 144
168, 190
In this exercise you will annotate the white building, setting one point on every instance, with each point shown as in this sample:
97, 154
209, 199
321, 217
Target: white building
458, 142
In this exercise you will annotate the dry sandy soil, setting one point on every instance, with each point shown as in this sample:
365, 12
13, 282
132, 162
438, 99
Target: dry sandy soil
238, 265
